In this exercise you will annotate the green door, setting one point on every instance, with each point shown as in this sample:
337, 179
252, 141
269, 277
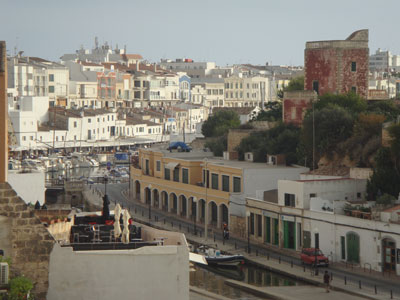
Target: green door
289, 235
353, 247
268, 230
276, 232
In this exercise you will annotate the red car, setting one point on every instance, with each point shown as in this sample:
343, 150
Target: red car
308, 255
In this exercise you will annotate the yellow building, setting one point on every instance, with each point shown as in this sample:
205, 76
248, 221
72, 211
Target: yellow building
182, 183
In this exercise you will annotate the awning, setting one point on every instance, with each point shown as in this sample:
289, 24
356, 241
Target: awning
171, 165
197, 258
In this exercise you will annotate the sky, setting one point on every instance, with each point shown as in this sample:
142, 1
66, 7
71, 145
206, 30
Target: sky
223, 31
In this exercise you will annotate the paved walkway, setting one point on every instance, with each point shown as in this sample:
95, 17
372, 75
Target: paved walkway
282, 267
304, 292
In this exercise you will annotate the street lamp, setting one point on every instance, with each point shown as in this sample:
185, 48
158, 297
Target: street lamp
206, 206
105, 185
316, 246
149, 187
195, 215
248, 232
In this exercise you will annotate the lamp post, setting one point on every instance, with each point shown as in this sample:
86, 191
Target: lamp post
129, 156
206, 206
195, 215
248, 232
316, 246
149, 202
105, 185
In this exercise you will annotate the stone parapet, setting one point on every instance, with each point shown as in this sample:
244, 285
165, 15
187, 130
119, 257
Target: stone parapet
30, 241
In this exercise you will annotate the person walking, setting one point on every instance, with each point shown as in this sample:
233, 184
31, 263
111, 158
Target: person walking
327, 280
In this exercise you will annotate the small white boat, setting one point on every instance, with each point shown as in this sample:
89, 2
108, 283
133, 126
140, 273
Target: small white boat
214, 257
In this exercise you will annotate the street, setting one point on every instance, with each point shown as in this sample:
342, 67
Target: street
115, 194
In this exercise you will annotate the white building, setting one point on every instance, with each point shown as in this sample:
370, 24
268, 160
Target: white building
243, 91
191, 68
311, 213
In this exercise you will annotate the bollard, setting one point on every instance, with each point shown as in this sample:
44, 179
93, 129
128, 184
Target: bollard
375, 290
291, 264
345, 280
279, 259
359, 284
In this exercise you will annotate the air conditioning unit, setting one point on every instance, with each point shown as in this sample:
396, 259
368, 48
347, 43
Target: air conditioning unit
3, 273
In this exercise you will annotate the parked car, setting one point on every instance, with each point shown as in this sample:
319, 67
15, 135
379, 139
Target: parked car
308, 256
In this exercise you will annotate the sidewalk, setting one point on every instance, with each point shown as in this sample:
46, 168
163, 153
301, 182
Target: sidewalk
284, 268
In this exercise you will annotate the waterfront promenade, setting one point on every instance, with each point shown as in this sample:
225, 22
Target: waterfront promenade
343, 289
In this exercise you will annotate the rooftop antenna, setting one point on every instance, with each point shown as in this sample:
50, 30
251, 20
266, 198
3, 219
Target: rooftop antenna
96, 42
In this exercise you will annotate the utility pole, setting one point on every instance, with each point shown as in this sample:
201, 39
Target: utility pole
3, 113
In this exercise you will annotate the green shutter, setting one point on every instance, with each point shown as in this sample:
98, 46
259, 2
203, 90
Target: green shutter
268, 229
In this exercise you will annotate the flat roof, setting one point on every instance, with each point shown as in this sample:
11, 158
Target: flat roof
197, 155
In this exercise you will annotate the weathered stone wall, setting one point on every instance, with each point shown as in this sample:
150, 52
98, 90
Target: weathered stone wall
295, 105
235, 136
31, 243
238, 226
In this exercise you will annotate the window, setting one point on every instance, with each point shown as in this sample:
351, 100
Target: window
354, 89
236, 185
289, 200
89, 120
74, 137
167, 174
225, 183
259, 225
185, 175
214, 181
315, 86
176, 174
343, 247
137, 94
252, 223
51, 88
75, 124
313, 195
31, 137
137, 83
208, 178
24, 138
353, 66
51, 77
158, 166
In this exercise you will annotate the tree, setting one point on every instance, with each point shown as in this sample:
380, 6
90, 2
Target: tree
394, 132
219, 123
272, 112
295, 84
332, 125
217, 145
385, 179
388, 108
351, 102
282, 139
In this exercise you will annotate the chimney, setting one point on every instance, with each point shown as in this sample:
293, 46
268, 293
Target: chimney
155, 67
137, 66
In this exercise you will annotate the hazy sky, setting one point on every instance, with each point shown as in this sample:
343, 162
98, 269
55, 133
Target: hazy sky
224, 31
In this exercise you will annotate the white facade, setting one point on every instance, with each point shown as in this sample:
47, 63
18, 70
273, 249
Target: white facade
146, 273
330, 189
192, 69
246, 91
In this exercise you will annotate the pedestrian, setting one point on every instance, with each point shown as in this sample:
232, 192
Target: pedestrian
327, 280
